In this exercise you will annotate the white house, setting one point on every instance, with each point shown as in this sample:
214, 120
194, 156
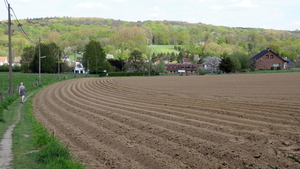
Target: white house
79, 69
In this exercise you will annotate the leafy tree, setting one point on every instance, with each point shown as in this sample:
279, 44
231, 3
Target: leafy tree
221, 41
49, 63
161, 67
136, 55
227, 65
27, 58
135, 62
95, 56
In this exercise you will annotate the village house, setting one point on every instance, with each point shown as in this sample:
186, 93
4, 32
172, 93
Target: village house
3, 60
267, 59
185, 67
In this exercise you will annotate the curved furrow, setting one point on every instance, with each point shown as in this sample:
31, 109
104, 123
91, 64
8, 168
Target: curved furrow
251, 106
235, 111
140, 123
114, 141
135, 135
188, 116
67, 133
204, 150
135, 112
154, 120
97, 148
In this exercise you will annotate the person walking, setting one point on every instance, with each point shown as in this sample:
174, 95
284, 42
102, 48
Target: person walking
22, 91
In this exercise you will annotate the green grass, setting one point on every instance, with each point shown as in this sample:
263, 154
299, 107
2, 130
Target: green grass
29, 80
163, 49
34, 147
30, 135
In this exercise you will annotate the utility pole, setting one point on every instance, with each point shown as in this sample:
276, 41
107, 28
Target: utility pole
58, 60
39, 60
10, 53
74, 64
149, 64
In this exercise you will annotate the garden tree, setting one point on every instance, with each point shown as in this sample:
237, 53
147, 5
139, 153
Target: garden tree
243, 61
180, 56
135, 62
27, 58
95, 56
135, 55
212, 63
161, 67
236, 64
48, 64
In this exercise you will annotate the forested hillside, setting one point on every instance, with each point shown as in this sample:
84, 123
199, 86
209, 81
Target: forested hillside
117, 37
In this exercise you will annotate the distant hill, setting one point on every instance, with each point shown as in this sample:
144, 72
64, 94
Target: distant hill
118, 35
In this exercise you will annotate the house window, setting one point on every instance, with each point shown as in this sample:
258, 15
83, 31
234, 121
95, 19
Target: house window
276, 64
267, 56
272, 57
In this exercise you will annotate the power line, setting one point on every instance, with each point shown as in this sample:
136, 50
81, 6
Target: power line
19, 24
21, 27
6, 4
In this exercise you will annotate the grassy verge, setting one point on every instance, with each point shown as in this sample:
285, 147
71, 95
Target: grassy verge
34, 147
8, 115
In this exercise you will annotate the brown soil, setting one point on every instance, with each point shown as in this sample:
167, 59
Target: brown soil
220, 121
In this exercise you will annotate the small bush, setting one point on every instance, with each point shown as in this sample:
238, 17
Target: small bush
52, 151
272, 68
278, 68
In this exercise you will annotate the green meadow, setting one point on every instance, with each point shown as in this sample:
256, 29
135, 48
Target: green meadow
163, 49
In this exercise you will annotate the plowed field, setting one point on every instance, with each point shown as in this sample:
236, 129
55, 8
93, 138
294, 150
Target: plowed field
220, 121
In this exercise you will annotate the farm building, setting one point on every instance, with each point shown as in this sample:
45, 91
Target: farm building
185, 67
267, 59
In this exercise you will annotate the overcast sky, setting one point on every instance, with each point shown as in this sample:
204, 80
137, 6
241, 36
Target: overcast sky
268, 14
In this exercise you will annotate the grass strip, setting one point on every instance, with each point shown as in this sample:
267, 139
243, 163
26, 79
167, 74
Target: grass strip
34, 147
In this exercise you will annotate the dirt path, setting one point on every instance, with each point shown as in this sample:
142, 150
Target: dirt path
228, 121
6, 155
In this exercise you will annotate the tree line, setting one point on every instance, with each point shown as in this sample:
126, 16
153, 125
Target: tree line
121, 38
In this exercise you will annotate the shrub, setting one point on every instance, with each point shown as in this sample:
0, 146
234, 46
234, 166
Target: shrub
272, 68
